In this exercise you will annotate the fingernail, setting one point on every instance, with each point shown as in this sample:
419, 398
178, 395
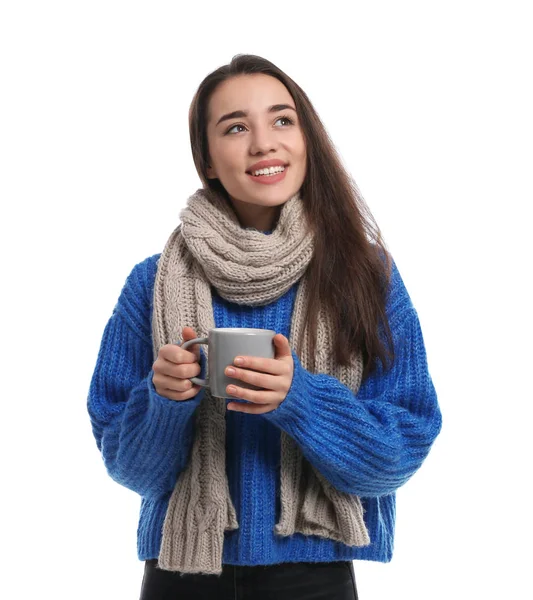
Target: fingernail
239, 360
230, 371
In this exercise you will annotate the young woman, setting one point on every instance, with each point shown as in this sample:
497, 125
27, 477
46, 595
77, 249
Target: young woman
272, 492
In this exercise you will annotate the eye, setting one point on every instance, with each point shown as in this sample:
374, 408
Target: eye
233, 127
284, 118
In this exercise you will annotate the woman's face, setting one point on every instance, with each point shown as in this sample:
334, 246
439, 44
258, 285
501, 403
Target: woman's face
238, 142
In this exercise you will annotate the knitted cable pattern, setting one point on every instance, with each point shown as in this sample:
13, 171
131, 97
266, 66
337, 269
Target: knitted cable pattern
245, 266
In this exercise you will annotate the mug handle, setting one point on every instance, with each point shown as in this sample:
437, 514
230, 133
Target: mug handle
185, 345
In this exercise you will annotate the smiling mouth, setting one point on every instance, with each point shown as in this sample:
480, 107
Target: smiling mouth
251, 172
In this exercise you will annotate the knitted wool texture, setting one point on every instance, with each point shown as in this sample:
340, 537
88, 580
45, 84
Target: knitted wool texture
246, 267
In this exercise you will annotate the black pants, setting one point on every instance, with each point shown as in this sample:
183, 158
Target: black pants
294, 581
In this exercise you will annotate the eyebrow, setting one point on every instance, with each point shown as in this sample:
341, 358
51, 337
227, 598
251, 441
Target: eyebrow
242, 113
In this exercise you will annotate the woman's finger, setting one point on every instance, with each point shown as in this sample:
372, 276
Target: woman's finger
255, 396
172, 383
265, 365
181, 371
261, 380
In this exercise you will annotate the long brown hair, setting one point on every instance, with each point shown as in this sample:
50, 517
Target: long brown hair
350, 269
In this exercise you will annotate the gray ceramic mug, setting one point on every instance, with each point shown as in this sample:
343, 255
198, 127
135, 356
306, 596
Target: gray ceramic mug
225, 343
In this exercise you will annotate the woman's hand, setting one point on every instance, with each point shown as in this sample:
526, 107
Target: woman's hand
174, 367
273, 374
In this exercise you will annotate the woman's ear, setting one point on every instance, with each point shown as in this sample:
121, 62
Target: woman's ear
211, 174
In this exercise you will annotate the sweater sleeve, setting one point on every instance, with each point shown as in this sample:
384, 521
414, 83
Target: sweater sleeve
144, 438
372, 442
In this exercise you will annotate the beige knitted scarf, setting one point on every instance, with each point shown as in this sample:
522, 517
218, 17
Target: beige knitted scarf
245, 266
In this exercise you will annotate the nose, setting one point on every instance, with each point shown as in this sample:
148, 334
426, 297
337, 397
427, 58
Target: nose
262, 141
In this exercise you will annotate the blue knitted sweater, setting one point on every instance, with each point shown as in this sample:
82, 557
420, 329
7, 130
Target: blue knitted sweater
367, 444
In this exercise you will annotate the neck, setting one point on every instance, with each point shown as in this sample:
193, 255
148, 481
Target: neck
262, 218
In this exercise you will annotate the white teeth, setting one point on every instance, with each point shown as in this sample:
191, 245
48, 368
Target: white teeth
269, 171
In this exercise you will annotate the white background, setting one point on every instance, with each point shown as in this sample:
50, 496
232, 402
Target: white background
429, 105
